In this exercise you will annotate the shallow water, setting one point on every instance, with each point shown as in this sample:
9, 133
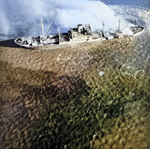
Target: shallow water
52, 98
88, 95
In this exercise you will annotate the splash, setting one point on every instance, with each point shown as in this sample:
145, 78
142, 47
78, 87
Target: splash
22, 18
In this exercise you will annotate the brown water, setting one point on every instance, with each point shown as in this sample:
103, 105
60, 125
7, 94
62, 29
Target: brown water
55, 97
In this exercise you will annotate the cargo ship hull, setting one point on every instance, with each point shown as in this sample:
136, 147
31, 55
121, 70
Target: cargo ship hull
75, 35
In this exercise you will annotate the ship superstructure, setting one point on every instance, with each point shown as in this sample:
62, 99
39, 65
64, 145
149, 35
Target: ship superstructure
74, 35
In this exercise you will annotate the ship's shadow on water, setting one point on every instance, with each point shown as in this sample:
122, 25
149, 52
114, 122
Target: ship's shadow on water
9, 43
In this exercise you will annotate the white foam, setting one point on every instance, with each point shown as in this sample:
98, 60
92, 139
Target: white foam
101, 73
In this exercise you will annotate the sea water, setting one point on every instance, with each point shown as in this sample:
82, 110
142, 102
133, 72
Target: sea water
115, 83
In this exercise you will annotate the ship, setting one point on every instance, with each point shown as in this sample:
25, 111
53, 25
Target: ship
74, 35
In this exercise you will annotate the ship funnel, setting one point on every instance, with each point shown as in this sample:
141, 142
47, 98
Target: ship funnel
80, 28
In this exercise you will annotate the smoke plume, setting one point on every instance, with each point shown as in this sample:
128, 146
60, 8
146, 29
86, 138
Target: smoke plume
22, 18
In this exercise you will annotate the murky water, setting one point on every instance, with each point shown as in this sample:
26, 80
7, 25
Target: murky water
88, 95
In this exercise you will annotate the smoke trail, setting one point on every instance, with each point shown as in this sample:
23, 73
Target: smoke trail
22, 18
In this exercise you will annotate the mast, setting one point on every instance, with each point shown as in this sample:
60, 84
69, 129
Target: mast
119, 26
59, 33
103, 32
42, 27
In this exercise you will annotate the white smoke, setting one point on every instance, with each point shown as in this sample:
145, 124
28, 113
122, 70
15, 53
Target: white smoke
22, 17
139, 16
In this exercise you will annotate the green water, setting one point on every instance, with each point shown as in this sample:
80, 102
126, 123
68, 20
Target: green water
71, 109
